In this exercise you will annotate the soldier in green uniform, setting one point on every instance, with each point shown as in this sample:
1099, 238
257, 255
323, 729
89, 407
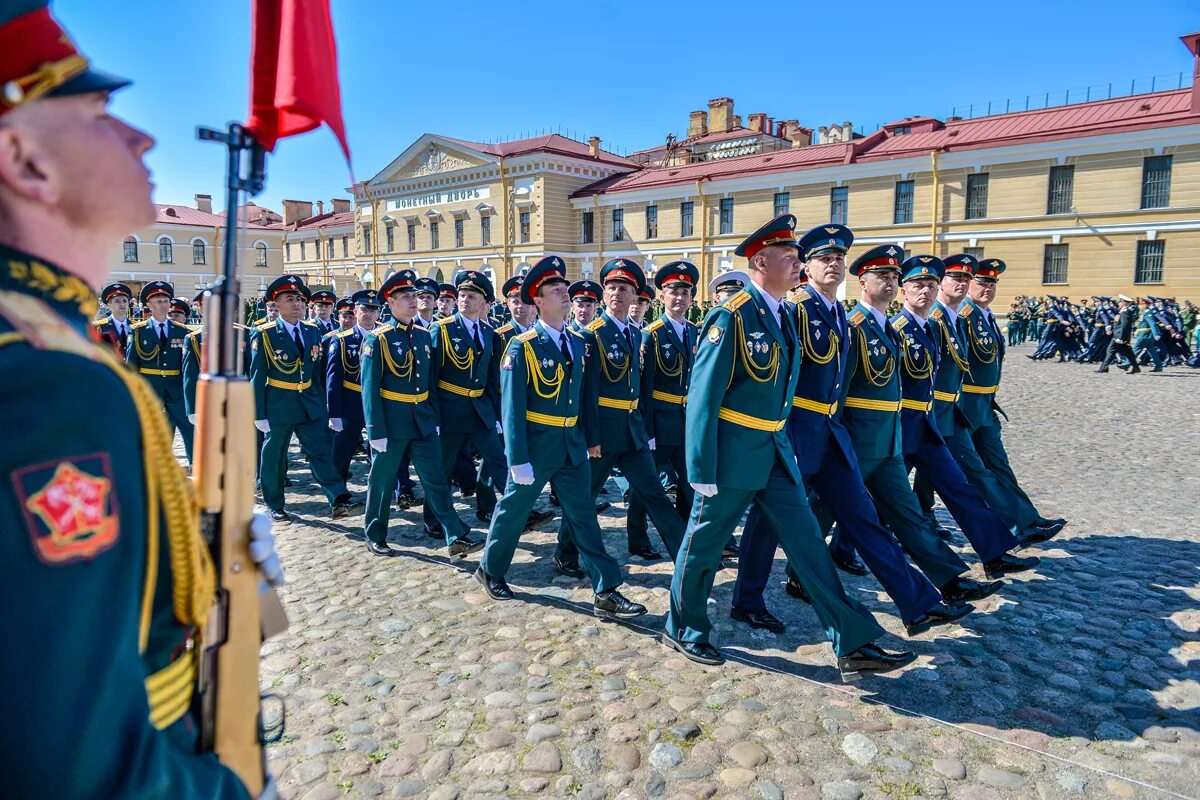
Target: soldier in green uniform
398, 376
585, 296
156, 351
542, 377
739, 399
985, 357
521, 315
1146, 335
105, 578
285, 357
447, 301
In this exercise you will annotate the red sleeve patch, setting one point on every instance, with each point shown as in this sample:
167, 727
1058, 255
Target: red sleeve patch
69, 507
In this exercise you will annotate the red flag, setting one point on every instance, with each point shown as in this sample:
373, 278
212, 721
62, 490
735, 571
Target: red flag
293, 72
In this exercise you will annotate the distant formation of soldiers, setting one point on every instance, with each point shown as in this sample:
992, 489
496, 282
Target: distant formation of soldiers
808, 412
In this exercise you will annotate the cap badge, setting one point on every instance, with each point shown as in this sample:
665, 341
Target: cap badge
831, 232
924, 260
891, 251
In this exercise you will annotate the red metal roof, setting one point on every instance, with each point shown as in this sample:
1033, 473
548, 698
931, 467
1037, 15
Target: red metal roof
1148, 111
708, 138
166, 214
550, 143
327, 220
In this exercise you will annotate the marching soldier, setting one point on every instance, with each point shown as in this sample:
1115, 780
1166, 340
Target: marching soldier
585, 296
1147, 335
343, 310
92, 503
637, 312
467, 353
1122, 335
727, 284
542, 377
427, 297
180, 309
613, 349
285, 356
521, 315
743, 381
985, 349
156, 351
447, 301
398, 374
321, 306
116, 327
343, 380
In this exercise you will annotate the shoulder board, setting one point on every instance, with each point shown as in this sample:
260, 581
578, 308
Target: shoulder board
574, 332
309, 323
266, 326
259, 321
737, 301
380, 330
195, 334
105, 321
856, 318
194, 328
141, 324
935, 314
505, 328
35, 323
653, 326
527, 336
966, 310
899, 321
595, 324
343, 334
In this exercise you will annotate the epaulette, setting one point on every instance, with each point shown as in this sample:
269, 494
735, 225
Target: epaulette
856, 318
935, 314
258, 321
966, 310
653, 326
737, 301
527, 336
195, 334
266, 326
595, 324
342, 334
899, 322
141, 324
106, 321
382, 329
505, 328
309, 323
573, 332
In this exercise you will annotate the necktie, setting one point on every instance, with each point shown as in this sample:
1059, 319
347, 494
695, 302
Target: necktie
298, 340
629, 338
566, 349
478, 340
687, 344
839, 313
162, 333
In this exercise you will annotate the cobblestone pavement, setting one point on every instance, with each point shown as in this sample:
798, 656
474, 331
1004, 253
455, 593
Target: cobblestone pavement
1083, 680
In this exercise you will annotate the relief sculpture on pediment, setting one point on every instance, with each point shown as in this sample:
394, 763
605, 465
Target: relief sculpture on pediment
432, 161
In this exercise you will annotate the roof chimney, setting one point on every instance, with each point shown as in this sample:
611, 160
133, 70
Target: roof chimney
758, 123
1192, 40
720, 114
594, 146
697, 124
339, 205
204, 203
320, 207
296, 210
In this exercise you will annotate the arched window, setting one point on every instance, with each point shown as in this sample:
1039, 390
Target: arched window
260, 254
131, 254
166, 251
198, 251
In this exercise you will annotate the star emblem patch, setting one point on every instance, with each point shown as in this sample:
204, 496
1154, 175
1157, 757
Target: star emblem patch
69, 508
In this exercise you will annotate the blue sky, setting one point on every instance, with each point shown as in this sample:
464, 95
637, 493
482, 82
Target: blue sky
627, 72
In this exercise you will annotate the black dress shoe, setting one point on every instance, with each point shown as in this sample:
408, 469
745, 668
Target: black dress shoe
1042, 522
1035, 534
281, 516
871, 659
614, 605
496, 588
345, 508
603, 506
731, 551
405, 500
759, 619
466, 493
938, 614
464, 545
700, 652
796, 590
380, 549
1102, 370
482, 517
648, 554
1009, 563
963, 589
538, 518
852, 565
570, 570
434, 532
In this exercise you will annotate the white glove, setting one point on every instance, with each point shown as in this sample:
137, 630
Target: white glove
705, 489
192, 418
262, 425
437, 430
651, 444
262, 549
270, 791
522, 474
335, 424
379, 445
499, 429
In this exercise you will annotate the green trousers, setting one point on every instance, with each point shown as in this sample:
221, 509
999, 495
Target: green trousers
848, 625
314, 443
426, 457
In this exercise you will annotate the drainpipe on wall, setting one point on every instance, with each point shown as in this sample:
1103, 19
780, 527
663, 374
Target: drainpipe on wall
705, 273
598, 232
504, 223
933, 220
374, 244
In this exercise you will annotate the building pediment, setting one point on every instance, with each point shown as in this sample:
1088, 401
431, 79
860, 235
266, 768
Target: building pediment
429, 156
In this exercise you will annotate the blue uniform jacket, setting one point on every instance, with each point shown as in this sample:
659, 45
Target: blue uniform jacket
816, 410
343, 375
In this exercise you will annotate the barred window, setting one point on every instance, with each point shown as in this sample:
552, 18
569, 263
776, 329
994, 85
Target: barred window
458, 232
1054, 264
198, 254
345, 246
166, 251
485, 230
726, 215
589, 227
839, 199
391, 237
524, 223
329, 245
366, 241
304, 248
287, 251
618, 224
434, 238
902, 211
1156, 182
783, 201
1062, 190
131, 254
1150, 257
977, 190
687, 218
260, 254
974, 252
412, 236
651, 222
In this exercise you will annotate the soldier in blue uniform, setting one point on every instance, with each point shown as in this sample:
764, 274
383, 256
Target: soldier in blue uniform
320, 307
614, 358
116, 328
923, 446
468, 352
398, 376
542, 377
285, 356
343, 380
977, 401
585, 296
155, 350
827, 461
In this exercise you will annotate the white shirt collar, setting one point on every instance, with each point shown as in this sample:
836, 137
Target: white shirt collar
953, 312
880, 317
290, 328
771, 302
556, 336
678, 326
621, 324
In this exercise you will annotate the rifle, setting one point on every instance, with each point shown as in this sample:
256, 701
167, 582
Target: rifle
228, 694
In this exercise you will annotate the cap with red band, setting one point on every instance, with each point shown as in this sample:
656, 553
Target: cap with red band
677, 273
781, 230
584, 290
287, 283
404, 280
550, 269
622, 269
960, 264
883, 258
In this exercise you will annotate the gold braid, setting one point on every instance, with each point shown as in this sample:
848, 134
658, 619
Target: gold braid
913, 367
760, 373
952, 347
142, 354
667, 372
538, 379
809, 352
604, 362
403, 370
880, 377
273, 360
467, 363
985, 353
